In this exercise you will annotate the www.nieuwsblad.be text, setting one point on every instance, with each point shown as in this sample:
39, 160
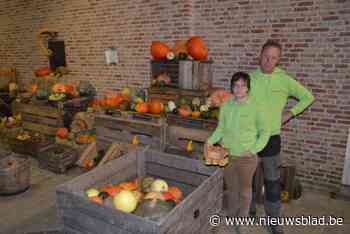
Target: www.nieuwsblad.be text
216, 220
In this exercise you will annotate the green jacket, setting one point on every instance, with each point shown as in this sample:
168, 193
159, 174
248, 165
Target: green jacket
242, 127
273, 90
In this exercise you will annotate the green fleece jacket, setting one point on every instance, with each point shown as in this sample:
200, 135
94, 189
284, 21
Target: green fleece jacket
273, 90
242, 127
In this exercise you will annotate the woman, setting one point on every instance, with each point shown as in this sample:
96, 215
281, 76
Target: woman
244, 131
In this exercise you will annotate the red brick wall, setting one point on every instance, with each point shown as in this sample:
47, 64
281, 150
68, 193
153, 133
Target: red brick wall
315, 36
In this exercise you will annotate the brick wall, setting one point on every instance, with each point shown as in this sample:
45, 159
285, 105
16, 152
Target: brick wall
315, 36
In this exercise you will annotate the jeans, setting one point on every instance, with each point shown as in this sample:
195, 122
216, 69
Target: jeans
271, 167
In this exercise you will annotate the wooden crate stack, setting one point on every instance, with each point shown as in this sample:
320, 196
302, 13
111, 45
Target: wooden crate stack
44, 118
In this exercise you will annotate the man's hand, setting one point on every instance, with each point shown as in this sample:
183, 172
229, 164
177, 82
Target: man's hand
287, 116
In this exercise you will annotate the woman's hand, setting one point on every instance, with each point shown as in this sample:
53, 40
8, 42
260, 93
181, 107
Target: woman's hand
207, 147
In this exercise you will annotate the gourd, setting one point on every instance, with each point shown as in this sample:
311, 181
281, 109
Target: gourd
185, 111
125, 201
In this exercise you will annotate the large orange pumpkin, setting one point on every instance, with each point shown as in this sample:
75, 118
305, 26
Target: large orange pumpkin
155, 107
197, 48
59, 88
62, 133
142, 107
159, 50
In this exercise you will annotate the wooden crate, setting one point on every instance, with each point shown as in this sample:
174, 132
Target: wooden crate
58, 158
133, 115
202, 187
45, 118
111, 129
171, 94
179, 137
185, 74
190, 122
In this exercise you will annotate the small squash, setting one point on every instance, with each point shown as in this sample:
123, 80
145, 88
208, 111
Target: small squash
62, 133
176, 192
142, 107
195, 114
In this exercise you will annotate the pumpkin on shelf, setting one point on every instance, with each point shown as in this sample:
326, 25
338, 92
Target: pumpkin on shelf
197, 48
142, 107
59, 88
156, 107
195, 114
159, 50
62, 133
185, 111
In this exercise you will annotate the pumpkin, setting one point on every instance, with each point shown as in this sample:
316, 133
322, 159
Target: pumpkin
69, 88
197, 48
185, 111
159, 185
33, 88
59, 88
142, 107
156, 107
128, 185
195, 114
62, 133
219, 96
176, 192
88, 163
159, 50
45, 71
111, 189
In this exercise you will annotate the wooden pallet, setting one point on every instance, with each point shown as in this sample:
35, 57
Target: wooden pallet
190, 122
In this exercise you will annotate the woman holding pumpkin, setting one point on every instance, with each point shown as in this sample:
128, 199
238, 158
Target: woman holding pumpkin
244, 131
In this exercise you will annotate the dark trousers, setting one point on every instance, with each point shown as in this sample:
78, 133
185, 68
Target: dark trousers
272, 186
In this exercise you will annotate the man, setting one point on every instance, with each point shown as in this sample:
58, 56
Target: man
272, 85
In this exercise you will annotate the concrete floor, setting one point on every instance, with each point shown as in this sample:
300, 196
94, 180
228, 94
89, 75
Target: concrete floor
34, 210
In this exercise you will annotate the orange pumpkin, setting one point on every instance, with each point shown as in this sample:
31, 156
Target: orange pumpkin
128, 185
33, 88
88, 163
176, 192
142, 107
195, 114
62, 133
59, 88
69, 88
111, 189
159, 50
156, 107
197, 49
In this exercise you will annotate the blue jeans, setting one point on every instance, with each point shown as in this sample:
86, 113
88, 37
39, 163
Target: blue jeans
271, 167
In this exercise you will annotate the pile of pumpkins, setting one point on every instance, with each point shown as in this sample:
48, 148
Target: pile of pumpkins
148, 197
195, 47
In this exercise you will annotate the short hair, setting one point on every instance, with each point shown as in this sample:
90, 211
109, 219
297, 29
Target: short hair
271, 43
240, 76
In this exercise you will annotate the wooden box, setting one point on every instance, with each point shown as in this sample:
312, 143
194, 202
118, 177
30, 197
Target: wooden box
47, 118
14, 174
58, 158
185, 74
178, 139
172, 94
190, 122
111, 129
202, 187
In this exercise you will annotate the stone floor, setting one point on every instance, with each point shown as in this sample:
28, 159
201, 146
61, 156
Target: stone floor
34, 211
